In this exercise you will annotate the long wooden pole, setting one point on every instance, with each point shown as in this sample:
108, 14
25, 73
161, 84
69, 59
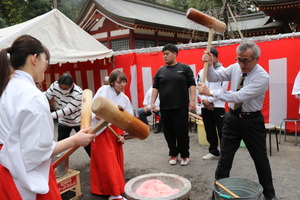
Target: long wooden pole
97, 128
86, 122
210, 37
114, 132
226, 189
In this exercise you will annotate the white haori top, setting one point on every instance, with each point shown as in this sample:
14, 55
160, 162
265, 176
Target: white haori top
26, 132
110, 93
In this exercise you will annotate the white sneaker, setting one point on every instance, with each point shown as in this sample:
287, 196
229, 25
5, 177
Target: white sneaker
173, 160
210, 156
116, 198
184, 161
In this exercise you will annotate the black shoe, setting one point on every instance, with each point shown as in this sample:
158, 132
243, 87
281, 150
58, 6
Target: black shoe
156, 131
274, 198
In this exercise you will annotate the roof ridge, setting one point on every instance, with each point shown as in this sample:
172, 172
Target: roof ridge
157, 5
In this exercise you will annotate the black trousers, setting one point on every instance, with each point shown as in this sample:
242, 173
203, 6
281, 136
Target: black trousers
176, 131
213, 125
64, 132
253, 132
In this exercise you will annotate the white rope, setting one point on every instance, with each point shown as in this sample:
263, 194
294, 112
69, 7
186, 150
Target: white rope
214, 43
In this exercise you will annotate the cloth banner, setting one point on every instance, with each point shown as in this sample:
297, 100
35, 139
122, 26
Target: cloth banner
279, 58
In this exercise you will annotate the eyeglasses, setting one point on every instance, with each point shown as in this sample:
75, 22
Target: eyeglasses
244, 61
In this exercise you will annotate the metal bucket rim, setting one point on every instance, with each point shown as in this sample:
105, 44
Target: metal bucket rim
185, 190
244, 179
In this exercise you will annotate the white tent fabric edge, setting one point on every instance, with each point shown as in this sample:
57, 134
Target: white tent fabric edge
66, 41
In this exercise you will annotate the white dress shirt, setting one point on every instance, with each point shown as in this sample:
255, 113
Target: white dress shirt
222, 85
252, 93
296, 87
26, 132
147, 99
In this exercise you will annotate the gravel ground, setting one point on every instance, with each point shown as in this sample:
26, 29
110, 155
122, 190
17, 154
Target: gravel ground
151, 155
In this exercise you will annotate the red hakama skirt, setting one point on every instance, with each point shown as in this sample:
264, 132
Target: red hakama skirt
107, 164
9, 191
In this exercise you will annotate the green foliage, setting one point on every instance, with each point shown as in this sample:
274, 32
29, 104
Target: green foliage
11, 12
17, 11
213, 7
71, 8
36, 7
179, 4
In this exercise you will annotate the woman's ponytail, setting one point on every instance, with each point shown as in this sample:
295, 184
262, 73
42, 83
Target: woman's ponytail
5, 69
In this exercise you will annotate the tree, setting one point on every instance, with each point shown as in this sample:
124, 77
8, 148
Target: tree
11, 12
35, 8
213, 7
70, 8
179, 4
16, 11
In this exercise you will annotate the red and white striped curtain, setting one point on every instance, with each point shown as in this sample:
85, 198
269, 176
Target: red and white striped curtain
280, 58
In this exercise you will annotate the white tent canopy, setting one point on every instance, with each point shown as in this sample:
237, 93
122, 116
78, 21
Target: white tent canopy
66, 41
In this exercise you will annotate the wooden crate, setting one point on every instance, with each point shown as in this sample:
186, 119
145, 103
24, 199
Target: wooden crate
70, 182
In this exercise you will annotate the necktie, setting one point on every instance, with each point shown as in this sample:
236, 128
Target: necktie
240, 85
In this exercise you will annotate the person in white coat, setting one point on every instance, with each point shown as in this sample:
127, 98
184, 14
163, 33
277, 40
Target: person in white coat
213, 110
145, 111
26, 125
296, 88
107, 159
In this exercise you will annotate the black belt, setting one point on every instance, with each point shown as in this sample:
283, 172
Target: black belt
245, 114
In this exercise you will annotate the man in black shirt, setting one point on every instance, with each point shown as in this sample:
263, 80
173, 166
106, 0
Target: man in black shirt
175, 84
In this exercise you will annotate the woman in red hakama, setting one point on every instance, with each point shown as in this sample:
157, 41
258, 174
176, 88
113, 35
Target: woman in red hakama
27, 126
107, 160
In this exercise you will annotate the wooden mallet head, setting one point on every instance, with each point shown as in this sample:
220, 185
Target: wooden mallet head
112, 113
205, 20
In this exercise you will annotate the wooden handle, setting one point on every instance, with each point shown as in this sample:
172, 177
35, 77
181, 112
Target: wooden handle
86, 109
226, 190
97, 128
210, 37
116, 115
86, 122
114, 132
194, 116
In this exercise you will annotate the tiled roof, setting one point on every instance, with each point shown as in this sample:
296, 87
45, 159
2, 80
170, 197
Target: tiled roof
147, 13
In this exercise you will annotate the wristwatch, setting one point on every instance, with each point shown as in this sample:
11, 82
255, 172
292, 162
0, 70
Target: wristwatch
211, 93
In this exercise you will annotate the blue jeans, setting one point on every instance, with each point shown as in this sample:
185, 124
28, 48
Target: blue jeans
143, 116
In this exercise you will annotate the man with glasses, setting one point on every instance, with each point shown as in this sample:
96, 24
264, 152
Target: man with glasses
244, 121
